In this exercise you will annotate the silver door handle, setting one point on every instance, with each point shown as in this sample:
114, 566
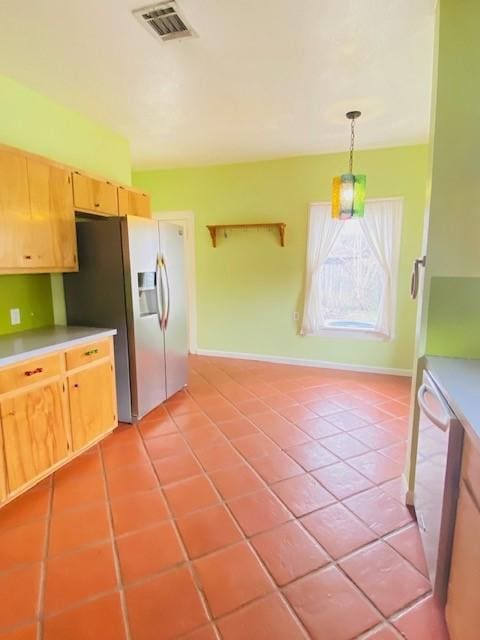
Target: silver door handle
415, 280
167, 312
444, 424
159, 289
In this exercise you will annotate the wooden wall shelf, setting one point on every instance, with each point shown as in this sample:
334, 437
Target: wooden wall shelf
212, 228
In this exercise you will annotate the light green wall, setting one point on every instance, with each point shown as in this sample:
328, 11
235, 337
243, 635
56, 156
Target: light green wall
451, 303
454, 317
450, 310
249, 287
454, 228
35, 123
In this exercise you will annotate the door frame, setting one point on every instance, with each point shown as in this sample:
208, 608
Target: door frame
188, 219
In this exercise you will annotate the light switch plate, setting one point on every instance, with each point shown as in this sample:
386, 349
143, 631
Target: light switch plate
15, 316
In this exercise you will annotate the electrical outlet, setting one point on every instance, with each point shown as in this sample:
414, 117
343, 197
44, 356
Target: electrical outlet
15, 316
295, 315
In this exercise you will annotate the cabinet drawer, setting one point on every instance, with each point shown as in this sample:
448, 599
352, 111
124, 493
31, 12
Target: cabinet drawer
471, 468
87, 353
29, 372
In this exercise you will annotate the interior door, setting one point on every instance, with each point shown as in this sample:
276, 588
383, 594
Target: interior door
146, 340
53, 219
175, 322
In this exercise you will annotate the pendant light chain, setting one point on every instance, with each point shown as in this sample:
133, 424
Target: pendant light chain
352, 142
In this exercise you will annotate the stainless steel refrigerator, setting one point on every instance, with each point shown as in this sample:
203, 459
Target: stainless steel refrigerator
132, 278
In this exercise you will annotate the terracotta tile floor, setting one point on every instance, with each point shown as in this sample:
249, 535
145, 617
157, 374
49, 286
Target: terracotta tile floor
263, 503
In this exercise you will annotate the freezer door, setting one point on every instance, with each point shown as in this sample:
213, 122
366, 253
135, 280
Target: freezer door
95, 295
145, 309
175, 317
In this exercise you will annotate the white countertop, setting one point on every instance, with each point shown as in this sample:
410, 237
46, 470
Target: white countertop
459, 381
16, 347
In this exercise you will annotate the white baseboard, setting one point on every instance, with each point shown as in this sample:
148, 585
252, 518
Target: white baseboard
321, 364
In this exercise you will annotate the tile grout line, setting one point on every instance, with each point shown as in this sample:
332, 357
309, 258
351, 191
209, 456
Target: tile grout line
335, 562
116, 557
246, 539
43, 575
188, 562
332, 563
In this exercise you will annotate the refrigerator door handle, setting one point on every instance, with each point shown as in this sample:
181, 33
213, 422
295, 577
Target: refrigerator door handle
167, 311
159, 290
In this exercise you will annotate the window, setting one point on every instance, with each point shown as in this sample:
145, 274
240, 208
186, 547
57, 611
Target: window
351, 271
351, 281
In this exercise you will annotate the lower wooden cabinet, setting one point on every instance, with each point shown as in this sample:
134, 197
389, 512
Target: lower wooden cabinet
91, 403
463, 601
34, 432
49, 414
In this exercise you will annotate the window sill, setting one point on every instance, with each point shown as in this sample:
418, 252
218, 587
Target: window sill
350, 334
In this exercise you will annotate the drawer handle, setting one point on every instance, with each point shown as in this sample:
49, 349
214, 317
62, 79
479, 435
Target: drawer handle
97, 204
34, 371
27, 257
91, 352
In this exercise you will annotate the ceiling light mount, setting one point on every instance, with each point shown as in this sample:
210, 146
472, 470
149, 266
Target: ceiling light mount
352, 115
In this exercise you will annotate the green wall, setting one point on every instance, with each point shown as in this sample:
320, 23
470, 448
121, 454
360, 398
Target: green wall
249, 287
35, 123
454, 317
453, 267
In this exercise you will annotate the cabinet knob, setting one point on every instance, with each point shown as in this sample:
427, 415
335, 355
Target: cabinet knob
27, 257
97, 204
76, 385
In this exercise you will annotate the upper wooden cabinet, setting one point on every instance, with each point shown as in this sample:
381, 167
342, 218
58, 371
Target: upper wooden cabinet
37, 224
38, 200
52, 226
96, 196
133, 203
14, 212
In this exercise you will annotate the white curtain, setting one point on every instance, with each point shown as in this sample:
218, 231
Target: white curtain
382, 227
323, 230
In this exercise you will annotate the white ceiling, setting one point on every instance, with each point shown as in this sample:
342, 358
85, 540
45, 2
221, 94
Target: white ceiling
263, 79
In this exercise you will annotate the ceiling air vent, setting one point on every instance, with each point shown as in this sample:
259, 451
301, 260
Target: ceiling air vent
164, 20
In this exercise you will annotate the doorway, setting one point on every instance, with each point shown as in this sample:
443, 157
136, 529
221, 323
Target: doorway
186, 220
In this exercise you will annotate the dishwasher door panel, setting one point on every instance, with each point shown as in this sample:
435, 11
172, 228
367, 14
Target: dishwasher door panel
439, 455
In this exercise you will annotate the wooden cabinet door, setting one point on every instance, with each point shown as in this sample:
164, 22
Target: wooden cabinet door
463, 610
92, 403
98, 196
14, 212
34, 433
3, 474
133, 203
52, 230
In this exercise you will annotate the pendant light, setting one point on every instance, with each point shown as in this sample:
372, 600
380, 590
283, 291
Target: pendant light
348, 190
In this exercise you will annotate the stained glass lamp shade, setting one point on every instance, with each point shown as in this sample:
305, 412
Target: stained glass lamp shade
348, 190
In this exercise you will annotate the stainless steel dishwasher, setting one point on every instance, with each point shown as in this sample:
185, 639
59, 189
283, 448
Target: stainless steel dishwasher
439, 457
